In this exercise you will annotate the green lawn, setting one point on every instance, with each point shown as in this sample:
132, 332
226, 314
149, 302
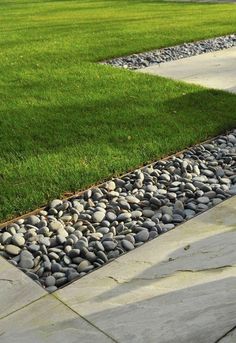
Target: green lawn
67, 122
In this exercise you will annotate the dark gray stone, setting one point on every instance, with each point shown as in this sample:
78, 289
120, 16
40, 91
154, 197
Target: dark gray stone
109, 245
50, 281
127, 245
142, 236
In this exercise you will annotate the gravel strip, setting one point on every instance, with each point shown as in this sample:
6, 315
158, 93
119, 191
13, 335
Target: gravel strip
70, 238
146, 59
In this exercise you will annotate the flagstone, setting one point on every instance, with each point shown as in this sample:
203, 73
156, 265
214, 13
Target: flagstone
177, 288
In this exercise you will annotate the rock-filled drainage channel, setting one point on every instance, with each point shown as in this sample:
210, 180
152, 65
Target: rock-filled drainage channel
146, 59
71, 238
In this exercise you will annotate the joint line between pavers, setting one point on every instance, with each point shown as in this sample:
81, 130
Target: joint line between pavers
226, 334
84, 318
21, 308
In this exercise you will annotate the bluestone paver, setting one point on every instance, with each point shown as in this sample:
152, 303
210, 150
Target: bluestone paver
179, 287
47, 320
16, 289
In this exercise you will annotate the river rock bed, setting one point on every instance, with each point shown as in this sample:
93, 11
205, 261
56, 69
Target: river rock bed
146, 59
71, 238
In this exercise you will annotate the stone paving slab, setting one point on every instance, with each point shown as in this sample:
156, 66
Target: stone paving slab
179, 287
213, 70
48, 321
16, 289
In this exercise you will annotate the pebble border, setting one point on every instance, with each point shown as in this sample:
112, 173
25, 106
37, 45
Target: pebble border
147, 59
72, 237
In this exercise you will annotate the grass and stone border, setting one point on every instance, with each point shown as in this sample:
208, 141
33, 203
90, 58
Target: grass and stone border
149, 58
72, 237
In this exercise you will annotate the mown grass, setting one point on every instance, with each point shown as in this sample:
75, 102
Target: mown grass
67, 122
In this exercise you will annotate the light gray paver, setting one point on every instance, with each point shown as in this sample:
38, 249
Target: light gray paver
177, 288
214, 70
48, 321
16, 289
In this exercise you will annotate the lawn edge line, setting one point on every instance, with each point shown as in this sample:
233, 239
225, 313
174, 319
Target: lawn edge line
72, 195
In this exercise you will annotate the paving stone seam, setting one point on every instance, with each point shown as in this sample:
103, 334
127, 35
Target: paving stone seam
225, 335
23, 307
84, 318
67, 306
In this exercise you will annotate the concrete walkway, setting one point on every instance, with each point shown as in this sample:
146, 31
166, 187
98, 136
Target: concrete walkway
180, 287
213, 70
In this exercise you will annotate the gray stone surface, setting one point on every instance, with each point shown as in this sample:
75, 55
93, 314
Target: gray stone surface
229, 338
48, 321
179, 288
16, 289
213, 70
